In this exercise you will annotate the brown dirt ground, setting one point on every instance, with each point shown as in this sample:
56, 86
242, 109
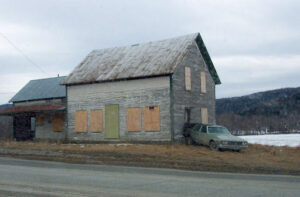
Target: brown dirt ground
255, 159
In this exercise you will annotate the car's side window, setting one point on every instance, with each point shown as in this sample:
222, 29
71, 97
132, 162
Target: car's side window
203, 129
197, 127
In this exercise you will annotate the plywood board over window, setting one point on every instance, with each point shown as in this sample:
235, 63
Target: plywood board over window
134, 119
204, 115
39, 121
81, 121
58, 122
96, 120
203, 82
188, 82
152, 118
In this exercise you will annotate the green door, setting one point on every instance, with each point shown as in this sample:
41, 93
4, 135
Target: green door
112, 121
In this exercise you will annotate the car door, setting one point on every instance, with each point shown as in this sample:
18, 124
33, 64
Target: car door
203, 135
195, 132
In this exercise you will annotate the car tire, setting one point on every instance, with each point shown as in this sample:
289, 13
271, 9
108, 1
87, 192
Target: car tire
213, 146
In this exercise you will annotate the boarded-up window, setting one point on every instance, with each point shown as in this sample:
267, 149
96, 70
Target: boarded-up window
203, 82
134, 119
39, 121
81, 121
152, 118
96, 120
204, 116
58, 122
188, 83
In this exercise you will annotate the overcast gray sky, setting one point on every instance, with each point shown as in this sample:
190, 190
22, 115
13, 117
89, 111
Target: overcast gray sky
255, 45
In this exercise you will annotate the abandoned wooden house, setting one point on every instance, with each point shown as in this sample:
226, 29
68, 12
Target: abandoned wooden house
39, 110
142, 92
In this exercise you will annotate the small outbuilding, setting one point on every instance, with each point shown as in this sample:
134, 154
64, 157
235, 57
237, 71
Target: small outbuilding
38, 110
142, 92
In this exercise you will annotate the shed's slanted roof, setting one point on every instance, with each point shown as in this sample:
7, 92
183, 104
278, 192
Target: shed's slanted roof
140, 60
41, 89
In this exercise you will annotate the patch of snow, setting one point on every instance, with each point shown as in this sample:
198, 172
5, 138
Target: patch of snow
123, 144
291, 140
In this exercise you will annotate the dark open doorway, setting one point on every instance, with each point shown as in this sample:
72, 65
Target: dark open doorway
187, 115
24, 127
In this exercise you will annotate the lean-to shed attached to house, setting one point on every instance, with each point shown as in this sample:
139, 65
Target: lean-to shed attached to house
143, 92
38, 110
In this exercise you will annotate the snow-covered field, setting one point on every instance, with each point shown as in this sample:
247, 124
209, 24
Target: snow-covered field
292, 140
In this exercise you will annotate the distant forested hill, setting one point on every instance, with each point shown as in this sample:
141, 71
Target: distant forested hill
275, 110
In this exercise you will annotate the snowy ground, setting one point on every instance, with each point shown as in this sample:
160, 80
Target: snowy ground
292, 140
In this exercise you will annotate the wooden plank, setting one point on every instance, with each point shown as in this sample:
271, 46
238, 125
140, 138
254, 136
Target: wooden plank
81, 121
203, 82
188, 83
152, 118
111, 121
96, 120
39, 121
204, 115
134, 119
58, 122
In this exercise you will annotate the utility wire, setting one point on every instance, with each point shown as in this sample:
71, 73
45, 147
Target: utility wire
20, 51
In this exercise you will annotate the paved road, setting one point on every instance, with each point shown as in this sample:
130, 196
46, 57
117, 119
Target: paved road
40, 178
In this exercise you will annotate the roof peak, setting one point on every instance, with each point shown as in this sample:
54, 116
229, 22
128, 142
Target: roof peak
48, 78
191, 36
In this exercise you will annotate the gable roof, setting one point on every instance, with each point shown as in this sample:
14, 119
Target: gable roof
41, 89
136, 61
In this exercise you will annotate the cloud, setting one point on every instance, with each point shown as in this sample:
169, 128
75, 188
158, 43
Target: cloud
247, 40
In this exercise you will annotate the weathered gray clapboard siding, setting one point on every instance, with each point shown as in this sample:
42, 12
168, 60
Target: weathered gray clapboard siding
39, 102
45, 131
193, 99
6, 127
129, 93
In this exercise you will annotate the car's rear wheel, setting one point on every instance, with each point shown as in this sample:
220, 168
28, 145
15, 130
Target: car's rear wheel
213, 146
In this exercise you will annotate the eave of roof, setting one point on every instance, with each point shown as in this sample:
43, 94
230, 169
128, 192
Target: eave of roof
207, 59
35, 108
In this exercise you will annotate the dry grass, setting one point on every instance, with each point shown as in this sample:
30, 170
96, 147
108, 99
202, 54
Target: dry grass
256, 159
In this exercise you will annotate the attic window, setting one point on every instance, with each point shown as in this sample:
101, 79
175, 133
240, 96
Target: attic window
203, 82
188, 82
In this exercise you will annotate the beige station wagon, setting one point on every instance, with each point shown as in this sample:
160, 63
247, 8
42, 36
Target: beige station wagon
214, 136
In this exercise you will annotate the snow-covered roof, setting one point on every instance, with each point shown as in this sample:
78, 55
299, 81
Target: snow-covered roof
135, 61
